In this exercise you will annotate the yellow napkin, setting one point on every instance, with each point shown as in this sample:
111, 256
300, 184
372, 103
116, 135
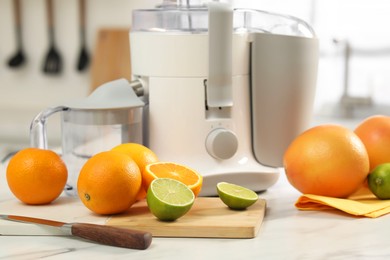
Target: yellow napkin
361, 203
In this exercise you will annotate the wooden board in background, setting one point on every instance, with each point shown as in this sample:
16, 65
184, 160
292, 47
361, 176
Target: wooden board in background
111, 57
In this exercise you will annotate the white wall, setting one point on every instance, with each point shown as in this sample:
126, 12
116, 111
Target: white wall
26, 91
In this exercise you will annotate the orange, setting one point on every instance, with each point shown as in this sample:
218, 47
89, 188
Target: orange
109, 183
142, 156
36, 176
328, 160
175, 171
375, 134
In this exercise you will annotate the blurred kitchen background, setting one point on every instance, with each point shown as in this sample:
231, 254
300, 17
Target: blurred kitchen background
353, 76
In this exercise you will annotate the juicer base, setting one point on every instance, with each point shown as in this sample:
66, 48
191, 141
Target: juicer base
256, 181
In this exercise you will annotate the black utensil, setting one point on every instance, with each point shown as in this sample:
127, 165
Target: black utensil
18, 59
83, 60
53, 60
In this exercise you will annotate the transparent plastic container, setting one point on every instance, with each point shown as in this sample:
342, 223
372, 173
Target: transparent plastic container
193, 18
111, 115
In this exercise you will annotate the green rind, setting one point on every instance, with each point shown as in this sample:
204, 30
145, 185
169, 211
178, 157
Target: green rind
379, 181
233, 201
163, 210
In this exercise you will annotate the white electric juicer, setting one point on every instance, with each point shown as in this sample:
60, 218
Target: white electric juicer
226, 90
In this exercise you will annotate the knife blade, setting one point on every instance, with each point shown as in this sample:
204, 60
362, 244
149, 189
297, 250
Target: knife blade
106, 235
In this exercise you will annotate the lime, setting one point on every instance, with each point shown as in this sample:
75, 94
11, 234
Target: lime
379, 181
169, 199
235, 196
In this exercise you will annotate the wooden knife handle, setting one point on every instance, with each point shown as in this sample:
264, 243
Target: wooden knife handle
113, 236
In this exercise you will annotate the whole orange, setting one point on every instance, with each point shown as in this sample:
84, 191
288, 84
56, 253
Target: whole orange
375, 134
142, 156
328, 160
36, 176
109, 182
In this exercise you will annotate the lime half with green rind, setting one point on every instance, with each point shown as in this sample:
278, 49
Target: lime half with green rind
169, 199
235, 196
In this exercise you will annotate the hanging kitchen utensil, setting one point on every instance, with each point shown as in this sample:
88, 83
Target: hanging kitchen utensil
19, 58
83, 60
53, 60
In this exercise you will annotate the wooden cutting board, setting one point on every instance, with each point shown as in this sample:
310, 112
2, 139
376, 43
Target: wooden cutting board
208, 217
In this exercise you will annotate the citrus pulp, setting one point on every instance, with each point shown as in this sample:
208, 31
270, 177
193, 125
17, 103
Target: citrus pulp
169, 199
175, 171
235, 196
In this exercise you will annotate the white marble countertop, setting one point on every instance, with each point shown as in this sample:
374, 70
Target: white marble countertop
286, 233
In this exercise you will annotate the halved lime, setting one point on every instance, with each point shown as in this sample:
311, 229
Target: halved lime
379, 181
235, 196
169, 199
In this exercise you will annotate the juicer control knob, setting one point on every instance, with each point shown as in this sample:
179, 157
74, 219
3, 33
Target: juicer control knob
221, 143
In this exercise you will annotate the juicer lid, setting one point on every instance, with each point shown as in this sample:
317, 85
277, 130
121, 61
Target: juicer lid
115, 94
192, 17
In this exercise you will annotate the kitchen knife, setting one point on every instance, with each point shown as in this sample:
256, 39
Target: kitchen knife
106, 235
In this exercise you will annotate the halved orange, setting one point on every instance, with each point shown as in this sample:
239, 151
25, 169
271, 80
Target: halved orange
175, 171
